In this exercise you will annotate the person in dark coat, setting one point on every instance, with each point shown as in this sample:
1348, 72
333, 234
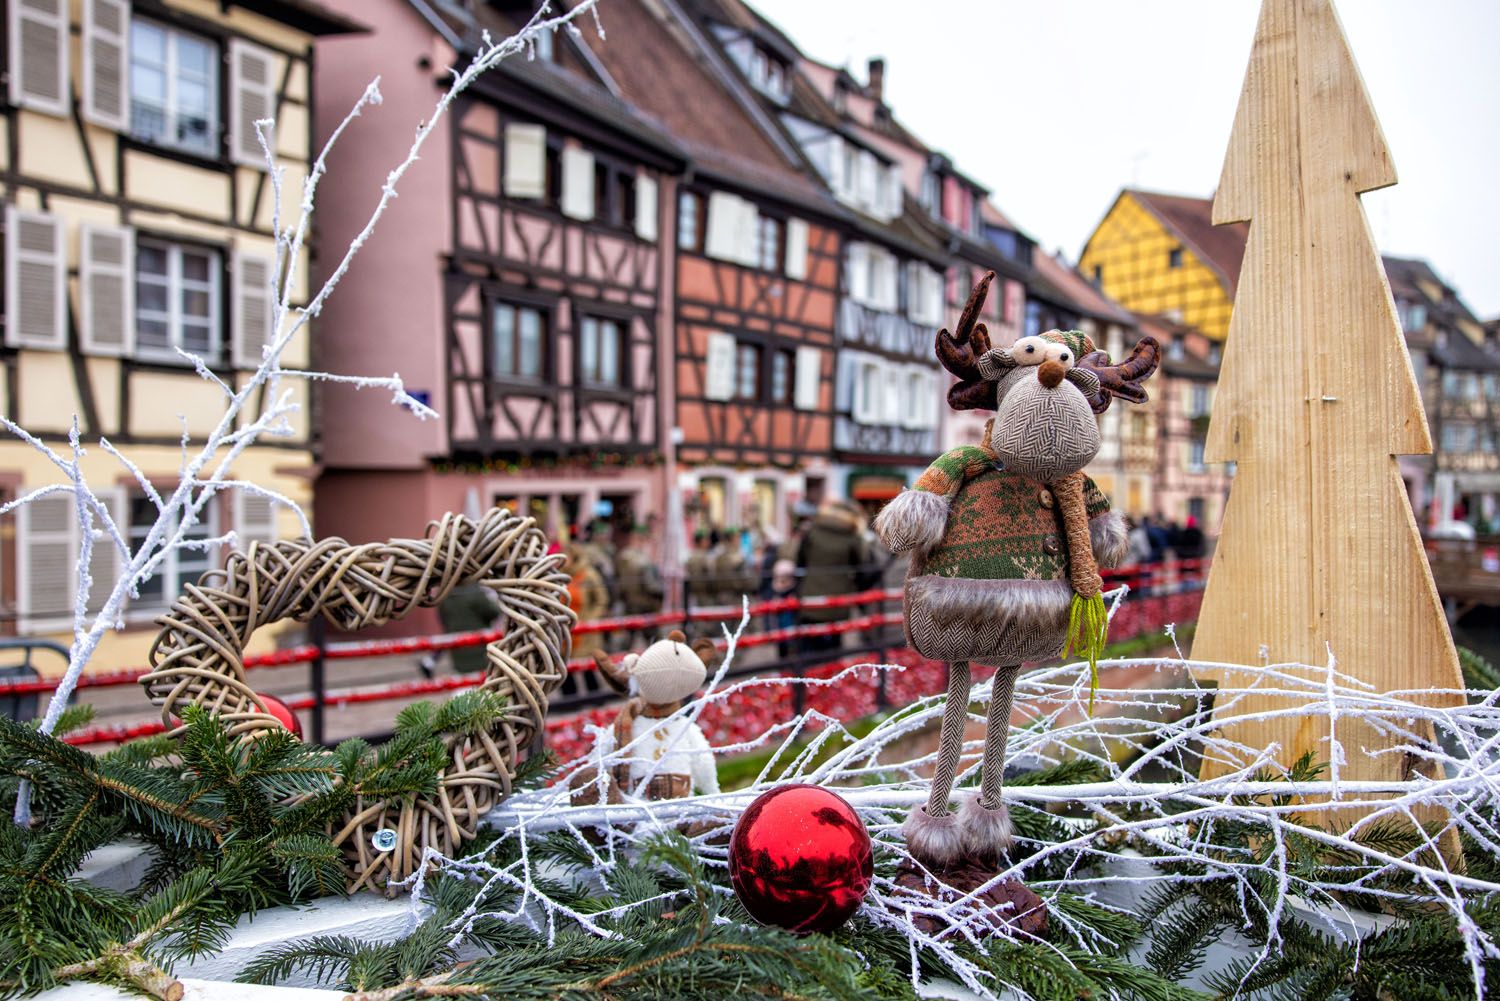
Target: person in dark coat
1190, 543
834, 556
468, 608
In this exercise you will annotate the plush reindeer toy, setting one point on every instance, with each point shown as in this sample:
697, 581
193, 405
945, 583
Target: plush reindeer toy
1007, 537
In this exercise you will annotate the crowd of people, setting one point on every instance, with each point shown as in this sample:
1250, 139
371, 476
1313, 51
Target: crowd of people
830, 551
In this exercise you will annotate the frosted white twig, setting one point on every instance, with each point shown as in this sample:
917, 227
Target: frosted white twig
205, 472
1150, 801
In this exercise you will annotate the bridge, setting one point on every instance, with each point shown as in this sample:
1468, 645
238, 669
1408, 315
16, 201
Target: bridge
1467, 572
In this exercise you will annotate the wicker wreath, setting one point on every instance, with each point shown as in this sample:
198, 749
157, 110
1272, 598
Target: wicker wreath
197, 658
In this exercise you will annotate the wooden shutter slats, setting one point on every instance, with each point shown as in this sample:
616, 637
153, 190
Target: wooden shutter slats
525, 160
106, 25
39, 55
36, 280
251, 98
107, 289
252, 307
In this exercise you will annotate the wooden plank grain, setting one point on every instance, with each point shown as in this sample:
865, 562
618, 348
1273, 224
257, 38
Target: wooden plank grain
1319, 553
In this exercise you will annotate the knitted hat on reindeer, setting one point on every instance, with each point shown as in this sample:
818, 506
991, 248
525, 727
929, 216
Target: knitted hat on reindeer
1075, 341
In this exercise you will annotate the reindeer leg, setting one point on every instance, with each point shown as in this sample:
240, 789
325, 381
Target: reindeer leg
984, 821
932, 833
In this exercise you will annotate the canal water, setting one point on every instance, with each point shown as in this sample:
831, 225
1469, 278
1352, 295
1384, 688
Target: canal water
1480, 632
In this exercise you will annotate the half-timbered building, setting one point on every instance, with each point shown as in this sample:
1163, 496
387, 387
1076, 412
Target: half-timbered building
138, 233
755, 287
888, 391
523, 289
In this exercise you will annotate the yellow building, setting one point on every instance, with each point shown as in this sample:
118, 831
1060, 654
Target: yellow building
1159, 254
138, 222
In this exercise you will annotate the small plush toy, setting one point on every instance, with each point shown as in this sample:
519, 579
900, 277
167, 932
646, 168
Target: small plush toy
1007, 537
672, 751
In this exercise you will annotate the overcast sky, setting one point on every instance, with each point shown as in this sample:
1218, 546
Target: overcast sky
1057, 105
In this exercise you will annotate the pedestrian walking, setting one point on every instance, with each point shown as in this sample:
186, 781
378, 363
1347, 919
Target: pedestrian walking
833, 557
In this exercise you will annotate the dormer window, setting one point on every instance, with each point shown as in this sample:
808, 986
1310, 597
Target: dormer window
768, 74
840, 98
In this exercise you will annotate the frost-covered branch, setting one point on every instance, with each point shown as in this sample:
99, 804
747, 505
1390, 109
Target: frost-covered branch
206, 466
1140, 833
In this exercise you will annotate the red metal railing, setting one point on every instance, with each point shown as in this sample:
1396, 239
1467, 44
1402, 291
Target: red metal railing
1160, 593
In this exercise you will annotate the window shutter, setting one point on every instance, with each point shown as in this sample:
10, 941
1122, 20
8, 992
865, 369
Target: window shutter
893, 396
254, 519
46, 536
106, 32
252, 303
836, 179
39, 55
868, 167
796, 249
645, 206
106, 280
893, 191
104, 558
578, 183
251, 98
36, 280
858, 265
525, 160
723, 226
885, 279
748, 233
718, 376
809, 378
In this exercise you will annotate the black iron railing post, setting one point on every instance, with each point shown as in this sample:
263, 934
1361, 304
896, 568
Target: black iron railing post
318, 679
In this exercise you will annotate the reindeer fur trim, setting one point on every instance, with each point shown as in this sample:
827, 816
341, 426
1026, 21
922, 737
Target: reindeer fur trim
988, 605
1109, 538
935, 841
987, 832
915, 520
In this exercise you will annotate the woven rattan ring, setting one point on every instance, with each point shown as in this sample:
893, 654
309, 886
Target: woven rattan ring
196, 659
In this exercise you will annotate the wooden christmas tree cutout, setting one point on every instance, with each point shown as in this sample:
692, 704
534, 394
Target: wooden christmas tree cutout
1319, 554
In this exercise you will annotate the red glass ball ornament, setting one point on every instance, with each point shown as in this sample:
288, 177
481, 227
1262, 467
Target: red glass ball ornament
283, 714
800, 859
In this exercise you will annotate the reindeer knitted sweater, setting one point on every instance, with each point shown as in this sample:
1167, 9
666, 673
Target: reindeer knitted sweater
1001, 526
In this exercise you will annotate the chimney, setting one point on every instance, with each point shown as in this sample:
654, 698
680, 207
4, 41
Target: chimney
876, 76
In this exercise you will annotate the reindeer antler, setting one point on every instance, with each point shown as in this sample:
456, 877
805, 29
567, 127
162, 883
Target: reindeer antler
959, 353
1122, 380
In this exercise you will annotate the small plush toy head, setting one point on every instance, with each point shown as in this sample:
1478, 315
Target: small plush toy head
668, 670
1044, 428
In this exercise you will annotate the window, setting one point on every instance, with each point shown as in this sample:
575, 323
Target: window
690, 222
1174, 257
1413, 316
1215, 354
1177, 350
545, 43
840, 98
601, 352
1198, 404
614, 194
1195, 456
1197, 510
781, 377
746, 372
554, 173
180, 566
174, 88
770, 244
517, 348
176, 300
915, 399
1098, 274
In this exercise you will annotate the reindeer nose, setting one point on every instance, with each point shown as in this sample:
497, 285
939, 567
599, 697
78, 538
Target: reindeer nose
1051, 373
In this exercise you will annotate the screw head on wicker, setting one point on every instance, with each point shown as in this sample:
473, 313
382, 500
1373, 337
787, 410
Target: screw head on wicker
197, 657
